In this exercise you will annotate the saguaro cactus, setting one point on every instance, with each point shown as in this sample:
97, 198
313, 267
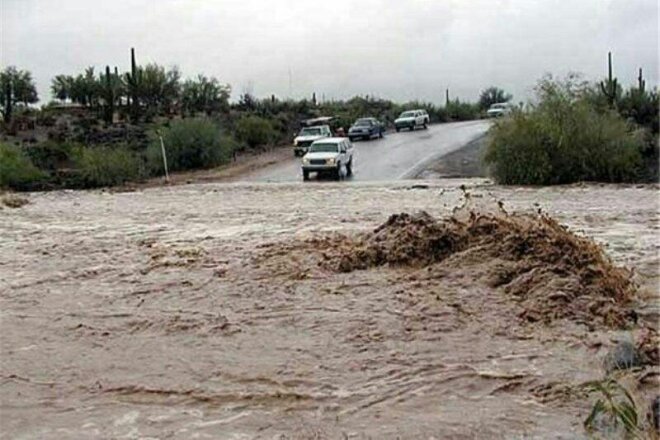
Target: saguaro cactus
8, 101
133, 81
109, 95
610, 88
641, 83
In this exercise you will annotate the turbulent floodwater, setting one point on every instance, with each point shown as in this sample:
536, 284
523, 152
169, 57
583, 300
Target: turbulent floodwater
165, 313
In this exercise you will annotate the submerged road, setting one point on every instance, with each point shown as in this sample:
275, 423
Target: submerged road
397, 156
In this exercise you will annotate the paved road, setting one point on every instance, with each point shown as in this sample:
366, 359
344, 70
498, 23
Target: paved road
397, 156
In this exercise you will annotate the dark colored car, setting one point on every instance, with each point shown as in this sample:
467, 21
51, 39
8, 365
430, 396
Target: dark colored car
366, 128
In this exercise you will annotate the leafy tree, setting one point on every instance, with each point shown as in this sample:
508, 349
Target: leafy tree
159, 88
493, 95
16, 87
205, 95
85, 89
247, 102
61, 87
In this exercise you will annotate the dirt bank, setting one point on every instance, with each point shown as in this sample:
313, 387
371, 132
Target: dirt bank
243, 165
462, 163
201, 310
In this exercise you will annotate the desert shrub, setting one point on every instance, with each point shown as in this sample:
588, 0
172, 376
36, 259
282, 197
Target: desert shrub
16, 169
190, 143
642, 107
104, 166
462, 111
50, 155
564, 139
255, 131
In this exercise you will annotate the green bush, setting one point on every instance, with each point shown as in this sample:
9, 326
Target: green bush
255, 131
16, 169
462, 111
50, 156
642, 107
564, 139
189, 144
105, 166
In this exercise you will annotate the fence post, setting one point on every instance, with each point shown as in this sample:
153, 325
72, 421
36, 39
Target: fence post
162, 149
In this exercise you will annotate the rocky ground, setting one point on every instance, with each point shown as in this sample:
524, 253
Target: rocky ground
245, 310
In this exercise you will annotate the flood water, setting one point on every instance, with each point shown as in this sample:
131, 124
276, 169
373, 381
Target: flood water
165, 313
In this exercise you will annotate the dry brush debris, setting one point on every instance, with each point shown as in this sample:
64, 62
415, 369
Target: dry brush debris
553, 272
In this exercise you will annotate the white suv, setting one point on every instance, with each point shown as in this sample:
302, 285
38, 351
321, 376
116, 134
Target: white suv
499, 109
329, 156
411, 119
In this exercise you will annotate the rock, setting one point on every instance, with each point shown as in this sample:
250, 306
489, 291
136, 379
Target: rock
623, 356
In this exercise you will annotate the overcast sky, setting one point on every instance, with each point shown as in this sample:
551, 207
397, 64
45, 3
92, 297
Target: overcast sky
399, 49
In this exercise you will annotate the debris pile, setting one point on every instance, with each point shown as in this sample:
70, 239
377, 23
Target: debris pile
553, 272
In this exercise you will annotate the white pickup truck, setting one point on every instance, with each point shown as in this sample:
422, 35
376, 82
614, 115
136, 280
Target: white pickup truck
308, 135
329, 156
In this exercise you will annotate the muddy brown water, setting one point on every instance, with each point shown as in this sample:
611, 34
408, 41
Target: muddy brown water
169, 313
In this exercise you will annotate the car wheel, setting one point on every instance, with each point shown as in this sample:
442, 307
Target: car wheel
305, 175
380, 134
398, 129
338, 172
349, 168
425, 126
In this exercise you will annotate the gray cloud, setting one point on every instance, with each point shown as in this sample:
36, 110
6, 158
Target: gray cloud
410, 49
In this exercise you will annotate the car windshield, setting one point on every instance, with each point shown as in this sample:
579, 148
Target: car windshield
407, 115
310, 131
498, 106
324, 148
363, 122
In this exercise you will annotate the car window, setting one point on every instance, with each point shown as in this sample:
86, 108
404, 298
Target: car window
407, 115
323, 148
311, 131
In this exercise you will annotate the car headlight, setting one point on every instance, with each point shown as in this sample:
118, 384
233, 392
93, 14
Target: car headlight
330, 161
305, 160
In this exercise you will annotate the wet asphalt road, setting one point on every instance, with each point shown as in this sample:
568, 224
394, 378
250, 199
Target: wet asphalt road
397, 156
